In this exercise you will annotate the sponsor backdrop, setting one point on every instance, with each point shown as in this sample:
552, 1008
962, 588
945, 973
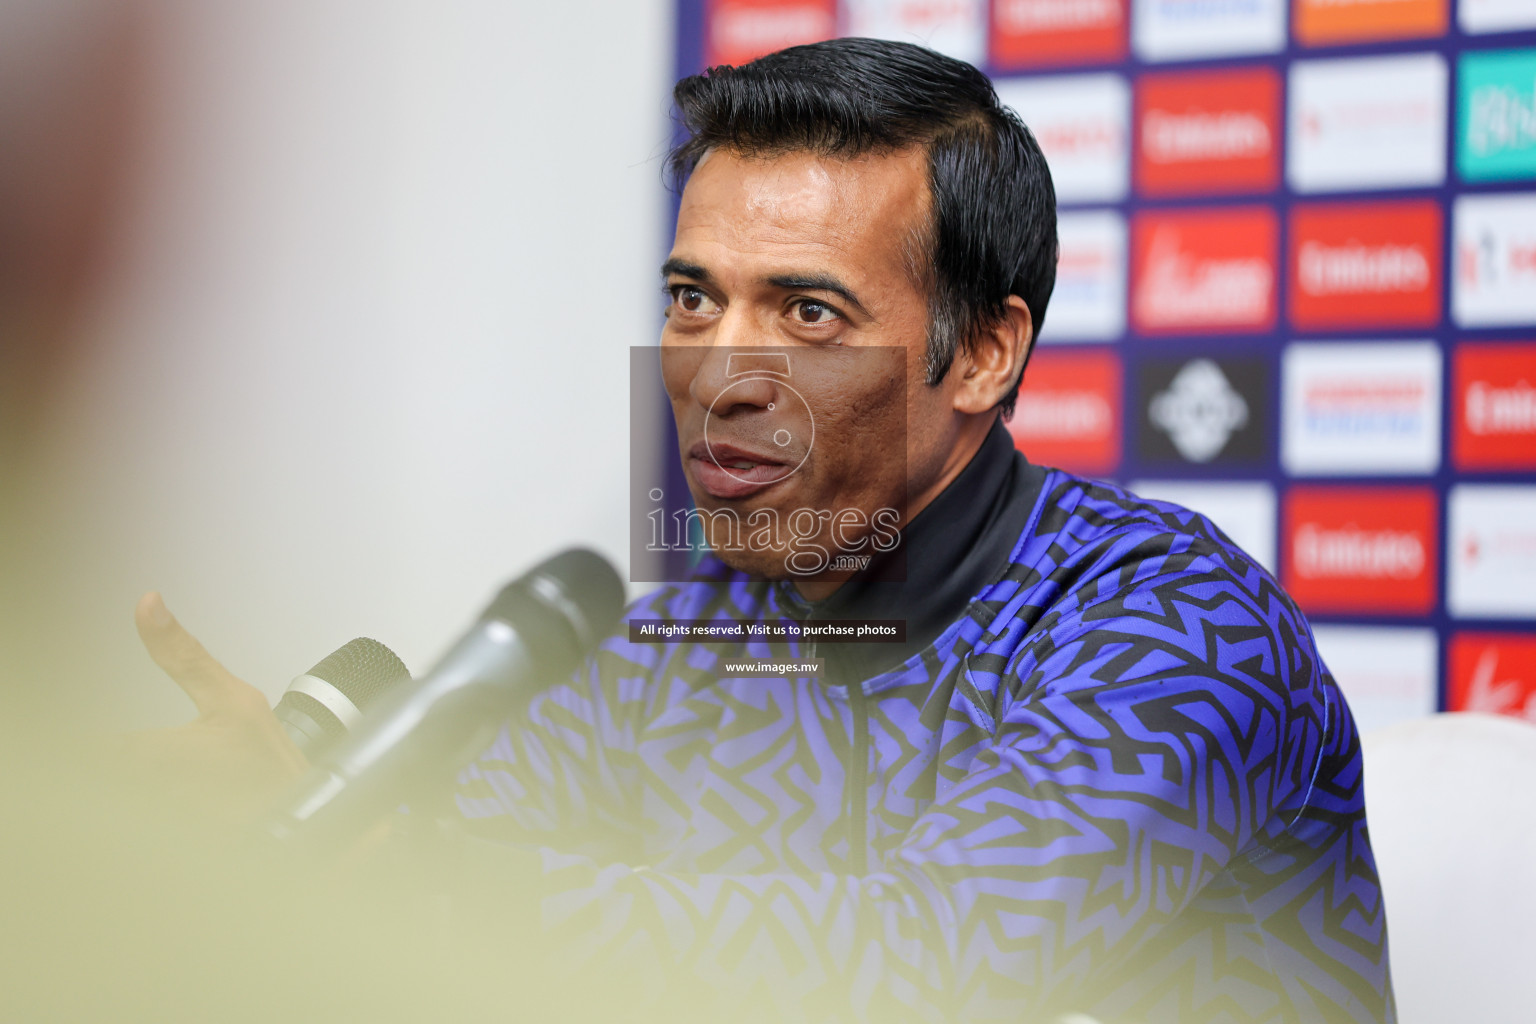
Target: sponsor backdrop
1297, 292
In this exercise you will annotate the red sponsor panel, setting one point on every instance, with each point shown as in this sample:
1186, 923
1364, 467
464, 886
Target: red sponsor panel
1042, 33
1493, 395
1367, 550
1068, 413
1204, 270
1366, 264
1494, 673
1208, 131
741, 30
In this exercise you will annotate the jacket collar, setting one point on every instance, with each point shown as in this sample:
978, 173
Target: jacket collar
950, 551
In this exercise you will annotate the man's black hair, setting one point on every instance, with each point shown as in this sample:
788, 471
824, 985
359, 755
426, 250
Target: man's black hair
992, 230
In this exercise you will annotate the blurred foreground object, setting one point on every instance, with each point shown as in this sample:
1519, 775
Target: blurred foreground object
70, 89
69, 84
119, 908
1450, 801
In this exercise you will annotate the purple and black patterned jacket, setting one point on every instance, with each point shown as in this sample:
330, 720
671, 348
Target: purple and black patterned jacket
1120, 781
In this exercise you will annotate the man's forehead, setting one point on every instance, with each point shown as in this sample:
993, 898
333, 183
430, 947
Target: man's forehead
801, 204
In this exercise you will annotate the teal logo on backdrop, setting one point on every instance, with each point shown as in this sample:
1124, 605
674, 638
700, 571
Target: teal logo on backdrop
1496, 132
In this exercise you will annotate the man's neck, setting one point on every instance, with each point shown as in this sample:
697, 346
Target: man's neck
973, 434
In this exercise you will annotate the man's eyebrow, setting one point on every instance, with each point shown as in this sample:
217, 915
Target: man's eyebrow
682, 268
818, 283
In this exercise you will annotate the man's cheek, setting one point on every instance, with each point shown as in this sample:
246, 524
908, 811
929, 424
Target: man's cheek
679, 366
848, 529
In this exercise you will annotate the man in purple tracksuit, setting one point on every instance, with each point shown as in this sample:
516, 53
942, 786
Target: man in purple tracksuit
1104, 771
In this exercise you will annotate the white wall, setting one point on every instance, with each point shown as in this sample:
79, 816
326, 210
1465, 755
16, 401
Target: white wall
361, 353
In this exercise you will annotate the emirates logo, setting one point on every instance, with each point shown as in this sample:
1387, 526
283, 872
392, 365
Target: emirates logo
1352, 552
1353, 268
1170, 138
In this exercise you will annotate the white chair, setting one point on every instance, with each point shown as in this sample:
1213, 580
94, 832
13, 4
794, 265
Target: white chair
1452, 806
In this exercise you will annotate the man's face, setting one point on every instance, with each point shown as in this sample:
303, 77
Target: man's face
793, 353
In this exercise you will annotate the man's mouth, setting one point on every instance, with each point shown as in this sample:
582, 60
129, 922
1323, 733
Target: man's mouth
730, 471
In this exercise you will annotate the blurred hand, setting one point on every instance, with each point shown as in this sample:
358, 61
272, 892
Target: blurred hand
235, 758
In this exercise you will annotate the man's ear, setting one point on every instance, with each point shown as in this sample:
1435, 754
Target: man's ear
990, 365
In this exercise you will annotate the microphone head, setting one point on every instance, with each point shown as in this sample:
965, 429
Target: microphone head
362, 669
578, 591
321, 705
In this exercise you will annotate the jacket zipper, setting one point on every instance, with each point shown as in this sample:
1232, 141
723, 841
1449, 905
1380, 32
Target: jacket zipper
858, 771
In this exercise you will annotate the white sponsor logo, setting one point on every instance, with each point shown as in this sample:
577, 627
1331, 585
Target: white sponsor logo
1175, 29
1354, 268
1244, 511
1367, 122
1491, 410
1388, 674
1088, 302
1021, 16
955, 27
1083, 125
1063, 415
1487, 693
1352, 553
1185, 289
1495, 254
1177, 138
1492, 551
1495, 15
1200, 411
1501, 119
1360, 408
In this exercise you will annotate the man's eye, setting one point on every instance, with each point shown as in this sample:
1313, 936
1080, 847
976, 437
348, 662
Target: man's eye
692, 300
811, 312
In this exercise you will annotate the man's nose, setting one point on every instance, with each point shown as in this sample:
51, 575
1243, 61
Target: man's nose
733, 373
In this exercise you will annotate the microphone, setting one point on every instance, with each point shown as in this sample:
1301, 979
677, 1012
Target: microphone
320, 706
412, 743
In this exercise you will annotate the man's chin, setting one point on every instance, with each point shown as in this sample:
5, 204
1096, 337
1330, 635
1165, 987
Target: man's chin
763, 565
